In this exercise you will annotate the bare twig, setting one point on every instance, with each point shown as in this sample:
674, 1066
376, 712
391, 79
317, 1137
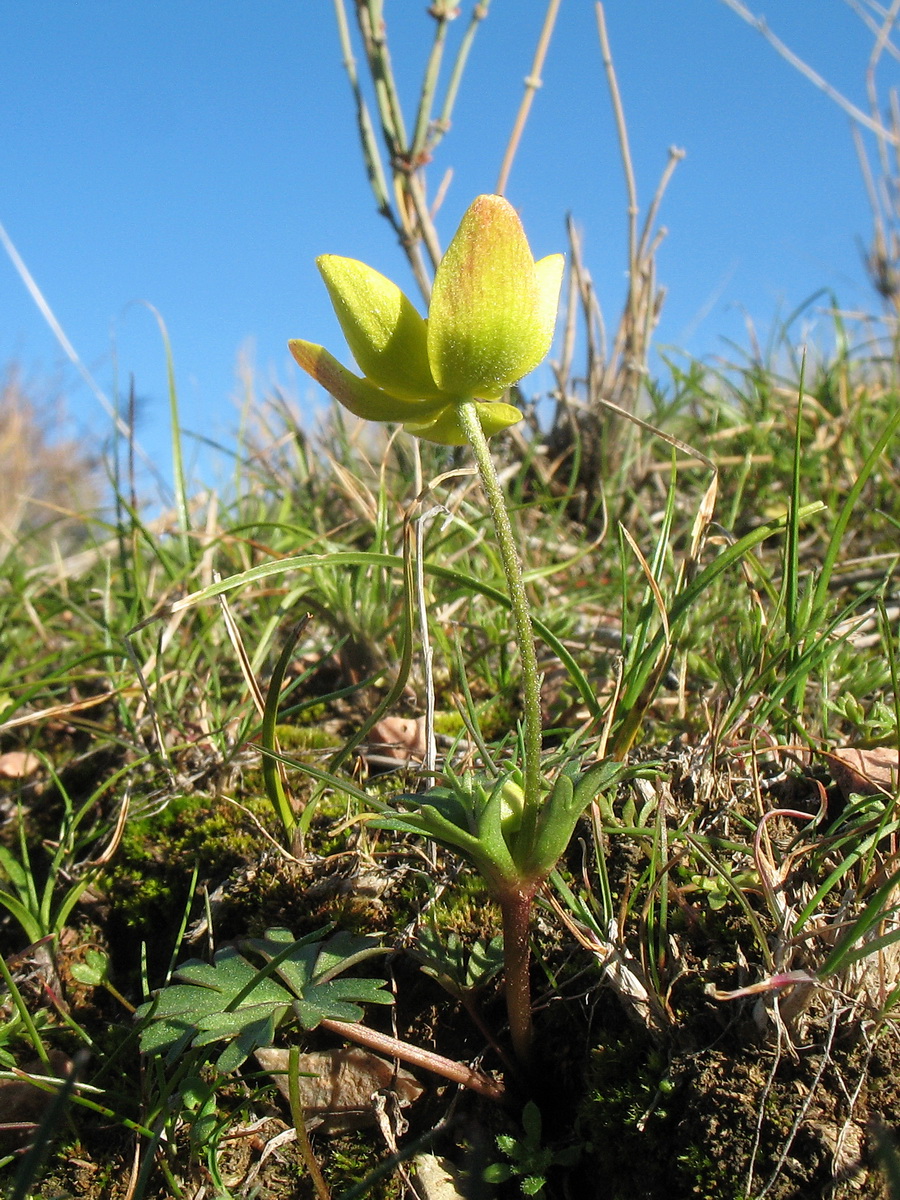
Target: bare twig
622, 133
443, 14
882, 259
368, 142
611, 376
851, 109
532, 82
442, 124
872, 25
396, 170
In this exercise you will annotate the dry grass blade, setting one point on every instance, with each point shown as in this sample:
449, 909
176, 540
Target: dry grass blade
56, 711
71, 353
51, 483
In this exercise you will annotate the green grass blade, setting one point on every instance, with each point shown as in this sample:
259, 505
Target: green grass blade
270, 765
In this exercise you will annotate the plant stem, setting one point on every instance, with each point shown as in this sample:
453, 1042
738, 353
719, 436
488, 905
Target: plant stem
524, 635
532, 82
383, 1043
516, 909
516, 901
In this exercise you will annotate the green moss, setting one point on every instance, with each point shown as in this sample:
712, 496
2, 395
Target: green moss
697, 1165
467, 909
305, 737
353, 1159
149, 879
495, 717
624, 1118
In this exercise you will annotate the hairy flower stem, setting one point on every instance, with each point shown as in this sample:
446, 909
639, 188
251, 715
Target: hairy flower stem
524, 635
515, 902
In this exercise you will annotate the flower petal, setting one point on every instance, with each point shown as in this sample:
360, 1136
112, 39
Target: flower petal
362, 398
489, 319
383, 330
548, 272
445, 428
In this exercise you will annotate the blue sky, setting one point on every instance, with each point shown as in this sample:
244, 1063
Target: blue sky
198, 156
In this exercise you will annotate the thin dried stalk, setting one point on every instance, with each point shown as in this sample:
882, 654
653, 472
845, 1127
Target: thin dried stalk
871, 24
883, 257
532, 82
882, 120
586, 431
368, 142
870, 122
396, 168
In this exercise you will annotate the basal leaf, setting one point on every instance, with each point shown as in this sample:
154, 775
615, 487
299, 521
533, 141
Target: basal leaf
339, 1000
303, 962
342, 951
235, 1000
253, 1036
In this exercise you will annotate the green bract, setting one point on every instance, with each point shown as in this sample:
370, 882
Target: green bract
483, 819
491, 321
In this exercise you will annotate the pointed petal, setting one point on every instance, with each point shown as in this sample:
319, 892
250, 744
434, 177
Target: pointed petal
383, 330
548, 273
446, 430
489, 316
362, 398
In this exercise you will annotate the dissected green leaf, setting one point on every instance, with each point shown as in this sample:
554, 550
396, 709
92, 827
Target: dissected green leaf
308, 959
196, 1011
532, 1185
458, 968
235, 1000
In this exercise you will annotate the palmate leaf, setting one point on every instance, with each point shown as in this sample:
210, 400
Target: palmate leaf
232, 999
308, 969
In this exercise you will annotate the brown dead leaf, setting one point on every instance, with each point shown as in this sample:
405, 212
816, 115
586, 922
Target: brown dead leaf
35, 973
864, 772
22, 1104
399, 738
338, 1085
847, 1146
16, 764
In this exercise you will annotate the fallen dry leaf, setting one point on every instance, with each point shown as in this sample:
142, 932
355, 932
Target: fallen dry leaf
399, 738
847, 1146
338, 1085
864, 772
23, 1104
16, 764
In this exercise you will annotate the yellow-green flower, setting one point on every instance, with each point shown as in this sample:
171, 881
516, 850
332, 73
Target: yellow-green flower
490, 321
